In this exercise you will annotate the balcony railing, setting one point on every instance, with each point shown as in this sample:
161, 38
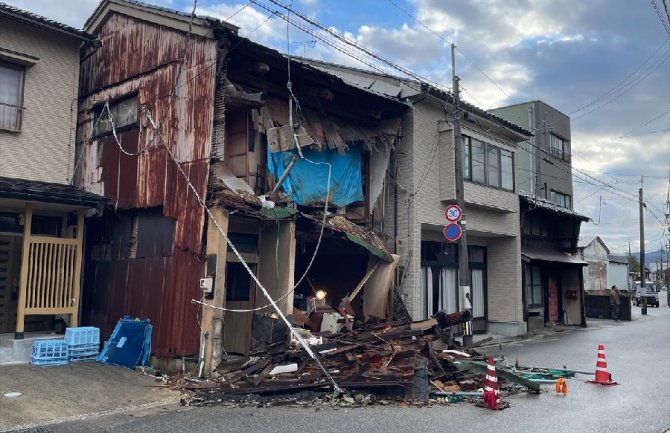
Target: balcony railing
559, 153
10, 117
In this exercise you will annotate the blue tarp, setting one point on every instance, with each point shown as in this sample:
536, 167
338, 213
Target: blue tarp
306, 183
129, 344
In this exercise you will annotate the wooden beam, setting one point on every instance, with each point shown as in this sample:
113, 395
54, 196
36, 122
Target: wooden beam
76, 289
363, 281
23, 274
212, 319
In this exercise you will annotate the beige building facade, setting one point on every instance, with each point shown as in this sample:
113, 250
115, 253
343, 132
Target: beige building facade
38, 99
41, 214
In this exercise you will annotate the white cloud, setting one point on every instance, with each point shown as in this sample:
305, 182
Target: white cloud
253, 23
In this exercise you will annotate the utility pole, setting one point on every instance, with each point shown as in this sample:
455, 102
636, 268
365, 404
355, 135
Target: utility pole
463, 264
643, 278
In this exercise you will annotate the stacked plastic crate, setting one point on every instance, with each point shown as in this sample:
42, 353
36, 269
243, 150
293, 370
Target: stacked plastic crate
83, 343
50, 352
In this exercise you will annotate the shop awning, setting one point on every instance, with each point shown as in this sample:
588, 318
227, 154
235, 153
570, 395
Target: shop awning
546, 255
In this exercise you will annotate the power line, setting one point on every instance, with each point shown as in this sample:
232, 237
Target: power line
349, 42
620, 83
627, 88
665, 24
660, 131
652, 120
346, 41
480, 70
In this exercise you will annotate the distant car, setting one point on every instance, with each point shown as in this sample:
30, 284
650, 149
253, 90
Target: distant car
648, 292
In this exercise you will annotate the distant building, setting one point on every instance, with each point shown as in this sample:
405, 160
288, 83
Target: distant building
543, 163
552, 277
618, 272
594, 251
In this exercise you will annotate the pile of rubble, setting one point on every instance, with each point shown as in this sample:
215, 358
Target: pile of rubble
374, 362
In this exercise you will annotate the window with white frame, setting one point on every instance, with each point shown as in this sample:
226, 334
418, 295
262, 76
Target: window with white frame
122, 115
563, 200
487, 164
11, 96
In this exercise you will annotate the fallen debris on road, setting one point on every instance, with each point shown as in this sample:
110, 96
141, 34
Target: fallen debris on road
377, 361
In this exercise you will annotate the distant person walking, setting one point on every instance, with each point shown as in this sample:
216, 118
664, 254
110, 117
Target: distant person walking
615, 302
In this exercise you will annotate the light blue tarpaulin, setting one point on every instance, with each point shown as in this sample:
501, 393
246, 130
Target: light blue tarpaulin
306, 183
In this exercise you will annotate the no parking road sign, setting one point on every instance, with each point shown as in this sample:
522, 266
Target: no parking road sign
453, 213
452, 232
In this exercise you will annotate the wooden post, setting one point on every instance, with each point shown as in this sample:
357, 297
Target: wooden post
74, 302
23, 275
212, 319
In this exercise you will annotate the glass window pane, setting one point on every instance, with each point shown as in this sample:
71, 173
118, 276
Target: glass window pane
478, 161
126, 112
494, 167
476, 255
507, 169
10, 84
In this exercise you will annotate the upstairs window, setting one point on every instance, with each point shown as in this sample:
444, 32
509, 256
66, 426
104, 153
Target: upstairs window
487, 164
11, 96
558, 147
563, 200
123, 115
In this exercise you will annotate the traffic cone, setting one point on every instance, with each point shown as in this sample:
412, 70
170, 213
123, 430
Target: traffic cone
490, 395
602, 376
561, 386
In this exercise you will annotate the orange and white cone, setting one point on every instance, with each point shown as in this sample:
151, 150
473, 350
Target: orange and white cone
561, 386
490, 395
603, 377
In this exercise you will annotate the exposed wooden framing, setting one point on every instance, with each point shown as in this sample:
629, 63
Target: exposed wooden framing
363, 281
212, 319
77, 268
23, 275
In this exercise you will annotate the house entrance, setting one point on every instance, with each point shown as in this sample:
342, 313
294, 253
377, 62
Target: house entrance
9, 281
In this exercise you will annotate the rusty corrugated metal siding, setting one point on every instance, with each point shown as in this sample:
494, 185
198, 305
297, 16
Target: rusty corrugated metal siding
141, 58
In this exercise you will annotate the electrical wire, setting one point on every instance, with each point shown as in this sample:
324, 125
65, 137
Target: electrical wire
619, 84
347, 41
218, 226
652, 120
480, 70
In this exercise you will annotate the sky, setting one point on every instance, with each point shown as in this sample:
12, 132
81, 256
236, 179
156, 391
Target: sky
605, 63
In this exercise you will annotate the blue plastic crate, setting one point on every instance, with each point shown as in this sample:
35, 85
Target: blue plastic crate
82, 335
84, 348
43, 362
83, 358
50, 350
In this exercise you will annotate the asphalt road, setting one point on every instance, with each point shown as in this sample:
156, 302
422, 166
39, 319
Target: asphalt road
638, 356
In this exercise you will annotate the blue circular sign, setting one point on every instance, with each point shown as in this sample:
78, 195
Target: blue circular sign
452, 232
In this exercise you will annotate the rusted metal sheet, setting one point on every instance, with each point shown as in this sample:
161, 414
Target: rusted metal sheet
154, 285
140, 58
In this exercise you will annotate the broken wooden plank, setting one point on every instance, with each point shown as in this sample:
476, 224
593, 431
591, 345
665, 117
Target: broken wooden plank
423, 325
363, 281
